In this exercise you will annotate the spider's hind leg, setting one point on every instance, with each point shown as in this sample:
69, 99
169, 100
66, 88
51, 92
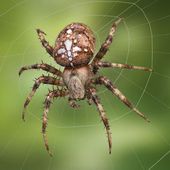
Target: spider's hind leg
38, 81
106, 82
121, 66
47, 104
95, 99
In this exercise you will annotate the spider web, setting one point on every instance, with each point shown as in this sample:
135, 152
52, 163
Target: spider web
119, 75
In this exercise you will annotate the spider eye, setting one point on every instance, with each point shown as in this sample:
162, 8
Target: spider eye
74, 45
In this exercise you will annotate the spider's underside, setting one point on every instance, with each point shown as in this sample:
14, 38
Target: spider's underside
74, 50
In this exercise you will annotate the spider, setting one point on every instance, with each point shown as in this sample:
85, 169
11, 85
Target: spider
74, 50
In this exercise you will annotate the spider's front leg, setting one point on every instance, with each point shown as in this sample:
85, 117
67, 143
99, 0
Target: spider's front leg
106, 82
45, 43
105, 46
106, 64
38, 81
95, 99
42, 66
47, 104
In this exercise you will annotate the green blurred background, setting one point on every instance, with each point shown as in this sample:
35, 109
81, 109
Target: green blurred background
77, 137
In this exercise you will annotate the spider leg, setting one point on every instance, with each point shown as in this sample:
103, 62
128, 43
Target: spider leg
45, 44
42, 66
103, 116
47, 104
89, 101
73, 103
38, 81
121, 66
105, 46
106, 82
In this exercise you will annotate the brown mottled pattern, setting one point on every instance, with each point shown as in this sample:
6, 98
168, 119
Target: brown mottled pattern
81, 37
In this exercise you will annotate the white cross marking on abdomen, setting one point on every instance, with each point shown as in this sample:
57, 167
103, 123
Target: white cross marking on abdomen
68, 45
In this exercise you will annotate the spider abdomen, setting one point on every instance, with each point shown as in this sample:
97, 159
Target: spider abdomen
74, 45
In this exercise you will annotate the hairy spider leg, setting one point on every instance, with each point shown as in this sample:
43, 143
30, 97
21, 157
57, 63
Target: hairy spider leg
44, 42
73, 103
105, 46
42, 66
122, 66
47, 104
107, 83
38, 81
102, 115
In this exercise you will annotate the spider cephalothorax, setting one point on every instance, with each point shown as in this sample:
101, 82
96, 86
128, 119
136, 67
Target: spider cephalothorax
74, 49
